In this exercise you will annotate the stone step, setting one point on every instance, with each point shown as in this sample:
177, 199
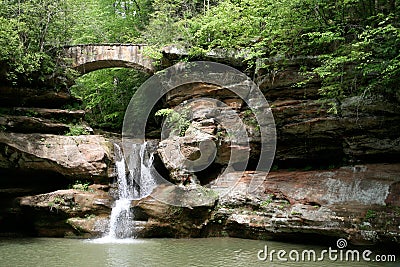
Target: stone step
47, 113
25, 124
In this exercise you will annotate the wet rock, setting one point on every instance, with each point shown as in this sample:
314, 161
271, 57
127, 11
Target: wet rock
64, 212
167, 219
89, 226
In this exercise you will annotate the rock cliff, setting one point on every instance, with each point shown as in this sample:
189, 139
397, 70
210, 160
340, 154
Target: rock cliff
334, 174
39, 154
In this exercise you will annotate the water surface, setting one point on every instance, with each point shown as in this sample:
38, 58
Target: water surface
153, 252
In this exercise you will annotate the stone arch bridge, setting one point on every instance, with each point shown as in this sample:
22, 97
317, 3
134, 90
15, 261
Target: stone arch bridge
90, 57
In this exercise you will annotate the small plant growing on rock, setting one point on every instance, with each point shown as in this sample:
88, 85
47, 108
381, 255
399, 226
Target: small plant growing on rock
267, 201
178, 122
56, 203
249, 119
90, 216
78, 185
75, 130
371, 214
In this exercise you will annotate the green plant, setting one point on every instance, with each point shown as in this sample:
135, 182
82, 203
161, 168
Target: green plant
249, 119
307, 168
152, 52
275, 168
56, 202
31, 113
90, 216
176, 122
78, 185
105, 95
267, 201
371, 214
59, 200
296, 213
75, 130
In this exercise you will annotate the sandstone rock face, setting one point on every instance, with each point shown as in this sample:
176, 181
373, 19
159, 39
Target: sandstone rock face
356, 203
364, 129
25, 124
51, 113
81, 157
164, 219
68, 212
29, 97
360, 203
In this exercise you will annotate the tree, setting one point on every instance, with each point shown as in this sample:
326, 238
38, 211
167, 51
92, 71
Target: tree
38, 26
106, 94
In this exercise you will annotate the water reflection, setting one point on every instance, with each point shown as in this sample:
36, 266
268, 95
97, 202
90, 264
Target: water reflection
151, 252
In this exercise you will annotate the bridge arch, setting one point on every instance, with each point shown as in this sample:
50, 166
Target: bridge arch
91, 57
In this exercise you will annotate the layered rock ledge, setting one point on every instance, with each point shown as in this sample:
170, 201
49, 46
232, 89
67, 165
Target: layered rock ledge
79, 157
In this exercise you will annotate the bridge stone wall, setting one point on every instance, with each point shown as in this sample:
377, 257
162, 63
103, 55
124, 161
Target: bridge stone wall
87, 58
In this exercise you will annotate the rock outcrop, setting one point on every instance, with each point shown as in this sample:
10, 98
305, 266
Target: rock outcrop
357, 203
309, 134
79, 157
67, 212
167, 220
318, 198
38, 156
30, 97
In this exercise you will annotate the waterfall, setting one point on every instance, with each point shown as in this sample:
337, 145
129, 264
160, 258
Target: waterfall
137, 184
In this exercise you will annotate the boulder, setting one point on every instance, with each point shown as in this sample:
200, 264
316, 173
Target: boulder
67, 212
167, 219
77, 157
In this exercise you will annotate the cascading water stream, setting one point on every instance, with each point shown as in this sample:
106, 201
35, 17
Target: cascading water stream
137, 184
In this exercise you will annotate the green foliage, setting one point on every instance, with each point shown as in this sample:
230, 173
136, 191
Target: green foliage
29, 31
106, 94
75, 130
176, 122
371, 214
32, 31
355, 41
265, 203
249, 119
109, 21
78, 185
90, 216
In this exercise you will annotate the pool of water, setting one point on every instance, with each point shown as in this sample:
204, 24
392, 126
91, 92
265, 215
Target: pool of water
167, 252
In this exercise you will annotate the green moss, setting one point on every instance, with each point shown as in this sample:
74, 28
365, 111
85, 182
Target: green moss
75, 130
371, 214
